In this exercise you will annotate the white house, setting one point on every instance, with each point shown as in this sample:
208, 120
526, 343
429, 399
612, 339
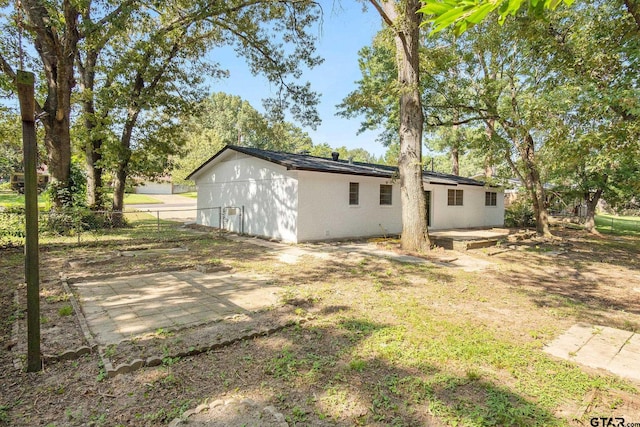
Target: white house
298, 197
161, 185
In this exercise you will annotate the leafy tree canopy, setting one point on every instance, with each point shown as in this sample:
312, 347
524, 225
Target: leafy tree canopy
224, 119
464, 14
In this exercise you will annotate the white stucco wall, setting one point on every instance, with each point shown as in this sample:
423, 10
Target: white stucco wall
324, 210
268, 192
297, 206
473, 212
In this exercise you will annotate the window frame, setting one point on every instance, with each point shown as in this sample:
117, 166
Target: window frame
457, 199
354, 201
384, 202
491, 198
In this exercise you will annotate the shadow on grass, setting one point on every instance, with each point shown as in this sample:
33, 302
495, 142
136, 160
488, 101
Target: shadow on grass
592, 282
315, 379
344, 369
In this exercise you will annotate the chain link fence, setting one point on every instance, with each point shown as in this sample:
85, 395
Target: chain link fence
618, 225
85, 224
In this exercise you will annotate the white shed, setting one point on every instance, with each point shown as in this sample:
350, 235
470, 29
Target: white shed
298, 197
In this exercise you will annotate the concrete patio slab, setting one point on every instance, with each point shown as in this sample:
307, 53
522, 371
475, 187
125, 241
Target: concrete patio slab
601, 347
124, 307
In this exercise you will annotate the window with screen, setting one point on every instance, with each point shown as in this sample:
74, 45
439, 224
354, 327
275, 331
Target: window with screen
386, 194
454, 197
490, 198
354, 193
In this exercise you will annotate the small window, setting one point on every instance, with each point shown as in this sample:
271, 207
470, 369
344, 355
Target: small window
386, 192
454, 198
354, 193
490, 198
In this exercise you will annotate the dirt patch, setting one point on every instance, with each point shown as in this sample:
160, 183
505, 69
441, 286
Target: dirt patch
384, 342
200, 339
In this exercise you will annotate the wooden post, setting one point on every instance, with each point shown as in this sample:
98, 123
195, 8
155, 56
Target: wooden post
25, 81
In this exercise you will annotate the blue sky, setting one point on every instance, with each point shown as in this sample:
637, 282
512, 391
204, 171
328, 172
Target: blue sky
345, 30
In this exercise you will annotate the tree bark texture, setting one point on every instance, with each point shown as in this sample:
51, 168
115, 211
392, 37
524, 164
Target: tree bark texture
535, 186
455, 161
123, 160
57, 48
94, 141
401, 16
592, 202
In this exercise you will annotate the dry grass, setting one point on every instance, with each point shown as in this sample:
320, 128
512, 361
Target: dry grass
386, 343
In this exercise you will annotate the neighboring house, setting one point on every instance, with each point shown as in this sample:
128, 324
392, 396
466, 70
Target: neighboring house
162, 185
298, 197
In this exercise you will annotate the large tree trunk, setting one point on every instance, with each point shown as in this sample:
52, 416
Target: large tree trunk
488, 159
123, 161
455, 161
535, 186
57, 140
94, 141
455, 147
592, 202
405, 22
95, 199
57, 48
633, 7
119, 187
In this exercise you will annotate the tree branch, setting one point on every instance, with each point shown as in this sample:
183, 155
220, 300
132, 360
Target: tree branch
440, 122
383, 14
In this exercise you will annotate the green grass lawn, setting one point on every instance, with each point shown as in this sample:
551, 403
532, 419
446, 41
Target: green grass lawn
383, 342
192, 194
12, 199
139, 199
618, 224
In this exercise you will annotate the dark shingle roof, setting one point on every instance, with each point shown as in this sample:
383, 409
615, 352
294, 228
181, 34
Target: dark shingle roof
307, 162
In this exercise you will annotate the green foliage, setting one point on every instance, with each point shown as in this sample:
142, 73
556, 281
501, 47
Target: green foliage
72, 221
285, 365
519, 213
12, 226
224, 119
11, 146
464, 14
552, 101
355, 154
66, 310
72, 193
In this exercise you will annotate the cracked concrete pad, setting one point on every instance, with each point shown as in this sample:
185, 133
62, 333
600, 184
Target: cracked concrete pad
602, 347
124, 307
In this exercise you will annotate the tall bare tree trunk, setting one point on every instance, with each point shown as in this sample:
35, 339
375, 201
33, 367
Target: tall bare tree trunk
488, 159
455, 148
94, 141
402, 18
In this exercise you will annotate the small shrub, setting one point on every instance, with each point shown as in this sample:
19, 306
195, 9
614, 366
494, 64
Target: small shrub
12, 226
75, 220
519, 213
